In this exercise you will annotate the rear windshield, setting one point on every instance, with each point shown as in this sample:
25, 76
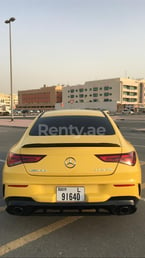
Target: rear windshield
72, 125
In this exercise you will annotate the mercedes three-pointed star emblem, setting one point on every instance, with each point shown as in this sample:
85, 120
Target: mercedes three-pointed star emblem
70, 162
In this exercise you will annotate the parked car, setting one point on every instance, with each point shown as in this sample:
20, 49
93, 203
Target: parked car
72, 162
128, 111
4, 113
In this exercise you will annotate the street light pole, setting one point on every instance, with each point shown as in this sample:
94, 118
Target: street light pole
12, 19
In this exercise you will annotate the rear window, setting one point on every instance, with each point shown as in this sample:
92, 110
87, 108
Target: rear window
72, 125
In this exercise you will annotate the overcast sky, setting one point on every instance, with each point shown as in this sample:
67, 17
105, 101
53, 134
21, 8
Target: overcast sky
71, 41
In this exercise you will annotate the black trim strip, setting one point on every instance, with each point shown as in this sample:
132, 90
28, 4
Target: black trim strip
55, 145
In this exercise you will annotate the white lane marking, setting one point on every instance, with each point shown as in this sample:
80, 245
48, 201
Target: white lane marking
2, 208
13, 245
1, 160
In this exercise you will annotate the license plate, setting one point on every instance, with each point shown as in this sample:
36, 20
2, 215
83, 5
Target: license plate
70, 194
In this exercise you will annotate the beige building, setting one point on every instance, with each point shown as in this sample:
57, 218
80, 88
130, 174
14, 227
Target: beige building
112, 94
5, 101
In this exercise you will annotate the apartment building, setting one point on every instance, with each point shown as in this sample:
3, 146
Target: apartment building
41, 99
5, 101
111, 94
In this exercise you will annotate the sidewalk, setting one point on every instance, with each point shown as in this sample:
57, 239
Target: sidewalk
16, 122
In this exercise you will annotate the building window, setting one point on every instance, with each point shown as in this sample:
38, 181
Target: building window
128, 87
106, 88
81, 100
133, 100
95, 95
72, 96
95, 89
106, 94
81, 90
133, 88
130, 99
130, 93
81, 95
72, 91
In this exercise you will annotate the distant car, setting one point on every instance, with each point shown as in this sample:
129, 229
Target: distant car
34, 112
5, 113
72, 162
128, 111
17, 112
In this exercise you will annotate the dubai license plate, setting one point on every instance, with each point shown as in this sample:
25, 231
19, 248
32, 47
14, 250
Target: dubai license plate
70, 194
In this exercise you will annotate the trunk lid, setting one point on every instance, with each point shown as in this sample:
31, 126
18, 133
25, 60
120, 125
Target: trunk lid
71, 155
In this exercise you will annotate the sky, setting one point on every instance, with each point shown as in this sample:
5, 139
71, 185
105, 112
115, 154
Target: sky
71, 41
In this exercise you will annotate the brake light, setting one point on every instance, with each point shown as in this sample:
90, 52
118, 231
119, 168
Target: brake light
125, 158
14, 159
128, 158
110, 158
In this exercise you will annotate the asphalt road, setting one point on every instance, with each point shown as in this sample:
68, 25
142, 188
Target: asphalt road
89, 236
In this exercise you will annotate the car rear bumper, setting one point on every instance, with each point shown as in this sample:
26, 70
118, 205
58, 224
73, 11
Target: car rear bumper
116, 205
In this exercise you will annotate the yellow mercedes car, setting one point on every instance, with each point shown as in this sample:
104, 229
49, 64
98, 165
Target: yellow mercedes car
72, 162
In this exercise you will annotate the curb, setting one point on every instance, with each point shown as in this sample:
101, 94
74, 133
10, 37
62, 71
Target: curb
139, 130
14, 126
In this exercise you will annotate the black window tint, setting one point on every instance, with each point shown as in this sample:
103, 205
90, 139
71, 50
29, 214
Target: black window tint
72, 125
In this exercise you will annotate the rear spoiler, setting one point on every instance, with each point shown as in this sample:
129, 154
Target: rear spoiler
55, 145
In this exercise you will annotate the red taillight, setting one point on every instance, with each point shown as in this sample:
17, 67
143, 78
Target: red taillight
14, 159
128, 158
110, 158
125, 158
